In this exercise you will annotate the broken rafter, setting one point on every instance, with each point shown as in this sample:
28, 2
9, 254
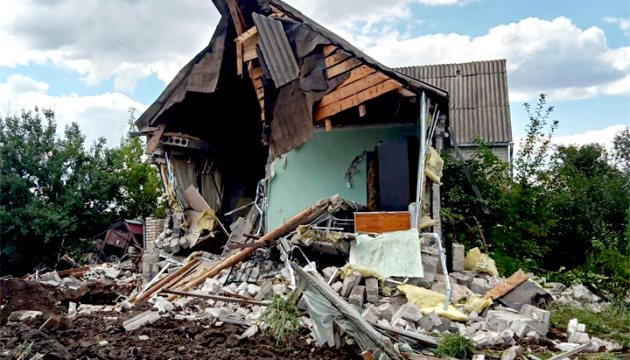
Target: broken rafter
154, 140
355, 87
237, 17
356, 99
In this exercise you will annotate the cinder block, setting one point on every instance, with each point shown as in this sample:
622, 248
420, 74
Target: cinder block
371, 290
357, 296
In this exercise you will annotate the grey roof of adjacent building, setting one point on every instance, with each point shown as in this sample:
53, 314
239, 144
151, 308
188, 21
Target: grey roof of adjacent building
478, 91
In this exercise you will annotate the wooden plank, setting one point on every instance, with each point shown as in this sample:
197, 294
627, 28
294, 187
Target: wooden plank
406, 93
355, 100
380, 222
239, 59
256, 73
257, 83
329, 49
507, 285
336, 58
347, 91
249, 53
247, 35
341, 68
218, 298
237, 17
154, 140
577, 350
260, 93
328, 124
357, 74
75, 271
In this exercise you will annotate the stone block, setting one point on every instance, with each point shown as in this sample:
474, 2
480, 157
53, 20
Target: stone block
512, 353
445, 324
336, 286
480, 286
430, 321
410, 327
371, 290
371, 314
387, 311
357, 296
409, 312
429, 265
211, 286
500, 320
349, 283
461, 278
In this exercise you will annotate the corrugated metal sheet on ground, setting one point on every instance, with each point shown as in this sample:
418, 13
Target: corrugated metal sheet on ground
276, 50
479, 102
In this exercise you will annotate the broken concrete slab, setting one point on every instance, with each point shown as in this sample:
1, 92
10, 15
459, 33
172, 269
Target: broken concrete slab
140, 320
500, 320
24, 315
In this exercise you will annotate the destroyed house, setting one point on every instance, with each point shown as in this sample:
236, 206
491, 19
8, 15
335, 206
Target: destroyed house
277, 112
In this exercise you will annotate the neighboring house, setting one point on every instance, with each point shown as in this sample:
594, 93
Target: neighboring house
114, 242
479, 103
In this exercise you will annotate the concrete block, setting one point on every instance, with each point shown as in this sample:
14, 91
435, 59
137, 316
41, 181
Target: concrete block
371, 314
512, 353
459, 253
337, 286
430, 321
387, 311
371, 290
481, 339
445, 324
461, 278
253, 289
329, 272
211, 286
500, 320
536, 313
357, 296
410, 327
349, 283
409, 312
429, 265
480, 286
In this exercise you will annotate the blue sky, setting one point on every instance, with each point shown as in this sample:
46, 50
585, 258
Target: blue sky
91, 71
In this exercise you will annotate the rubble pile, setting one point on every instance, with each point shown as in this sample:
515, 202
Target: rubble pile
370, 310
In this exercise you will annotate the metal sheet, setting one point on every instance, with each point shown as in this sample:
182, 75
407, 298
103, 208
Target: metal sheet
276, 50
479, 102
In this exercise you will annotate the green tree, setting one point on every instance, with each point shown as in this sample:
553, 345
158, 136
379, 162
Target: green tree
55, 192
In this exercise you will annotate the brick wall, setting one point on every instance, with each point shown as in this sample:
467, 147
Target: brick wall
153, 229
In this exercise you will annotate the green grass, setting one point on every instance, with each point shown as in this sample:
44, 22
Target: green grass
282, 320
613, 323
456, 346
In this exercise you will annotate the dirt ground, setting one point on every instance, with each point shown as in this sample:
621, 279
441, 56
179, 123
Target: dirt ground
167, 338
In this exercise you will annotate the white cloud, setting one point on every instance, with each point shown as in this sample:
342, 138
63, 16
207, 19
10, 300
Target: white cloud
602, 136
103, 115
624, 23
552, 57
127, 40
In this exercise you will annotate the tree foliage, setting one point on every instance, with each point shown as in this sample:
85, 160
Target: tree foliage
55, 192
565, 208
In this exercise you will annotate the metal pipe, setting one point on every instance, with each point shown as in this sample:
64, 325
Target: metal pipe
420, 180
436, 236
168, 264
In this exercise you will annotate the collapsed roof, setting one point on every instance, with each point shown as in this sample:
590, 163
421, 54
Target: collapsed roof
300, 74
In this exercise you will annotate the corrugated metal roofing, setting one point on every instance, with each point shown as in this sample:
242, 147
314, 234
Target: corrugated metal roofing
478, 91
276, 50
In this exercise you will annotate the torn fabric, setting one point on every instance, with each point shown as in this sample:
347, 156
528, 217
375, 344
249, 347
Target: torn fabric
395, 253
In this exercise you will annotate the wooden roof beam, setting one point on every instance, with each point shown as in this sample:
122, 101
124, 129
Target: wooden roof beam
355, 100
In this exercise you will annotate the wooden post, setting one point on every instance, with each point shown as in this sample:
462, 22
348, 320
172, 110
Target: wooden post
328, 124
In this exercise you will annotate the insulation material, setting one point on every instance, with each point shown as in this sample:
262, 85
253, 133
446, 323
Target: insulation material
476, 261
477, 303
395, 253
207, 221
434, 166
426, 222
430, 301
348, 269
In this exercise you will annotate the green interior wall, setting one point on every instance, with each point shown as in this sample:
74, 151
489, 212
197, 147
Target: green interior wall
317, 169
